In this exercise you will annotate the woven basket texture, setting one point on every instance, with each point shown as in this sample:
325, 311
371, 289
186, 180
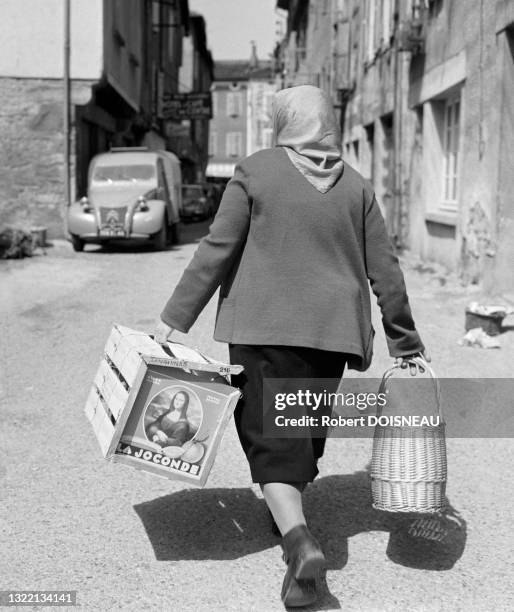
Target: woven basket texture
409, 466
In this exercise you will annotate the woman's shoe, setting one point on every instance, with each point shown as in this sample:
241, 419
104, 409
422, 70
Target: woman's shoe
298, 593
305, 561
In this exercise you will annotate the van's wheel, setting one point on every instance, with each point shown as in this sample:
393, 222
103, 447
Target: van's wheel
160, 239
77, 243
175, 233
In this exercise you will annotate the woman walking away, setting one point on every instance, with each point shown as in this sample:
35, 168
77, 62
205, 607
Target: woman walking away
297, 237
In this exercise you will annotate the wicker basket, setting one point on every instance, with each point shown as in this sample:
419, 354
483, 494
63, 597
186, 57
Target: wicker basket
408, 464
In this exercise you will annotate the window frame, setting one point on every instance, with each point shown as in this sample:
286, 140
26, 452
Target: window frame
450, 144
234, 104
234, 137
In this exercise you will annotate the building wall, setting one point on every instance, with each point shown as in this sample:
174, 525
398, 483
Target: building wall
259, 115
500, 271
32, 35
316, 68
189, 139
228, 138
187, 67
202, 80
109, 52
32, 153
402, 98
460, 60
123, 39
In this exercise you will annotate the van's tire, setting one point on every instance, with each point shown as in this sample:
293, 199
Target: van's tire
77, 243
175, 233
160, 239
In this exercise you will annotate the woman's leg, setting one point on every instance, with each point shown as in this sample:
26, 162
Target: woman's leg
284, 500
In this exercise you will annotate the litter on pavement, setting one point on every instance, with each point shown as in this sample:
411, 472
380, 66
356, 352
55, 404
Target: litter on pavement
477, 338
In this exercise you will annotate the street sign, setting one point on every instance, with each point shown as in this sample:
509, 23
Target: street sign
187, 106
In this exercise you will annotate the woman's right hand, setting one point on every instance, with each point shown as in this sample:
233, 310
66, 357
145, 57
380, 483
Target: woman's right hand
162, 332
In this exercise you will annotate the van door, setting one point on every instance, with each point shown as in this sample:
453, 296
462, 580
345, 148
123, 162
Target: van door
174, 177
164, 190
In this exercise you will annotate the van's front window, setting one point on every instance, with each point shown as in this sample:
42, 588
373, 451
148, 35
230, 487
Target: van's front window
133, 173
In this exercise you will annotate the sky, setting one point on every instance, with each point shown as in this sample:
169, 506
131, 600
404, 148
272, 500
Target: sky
232, 24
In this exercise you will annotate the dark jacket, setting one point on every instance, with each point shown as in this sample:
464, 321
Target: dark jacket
294, 264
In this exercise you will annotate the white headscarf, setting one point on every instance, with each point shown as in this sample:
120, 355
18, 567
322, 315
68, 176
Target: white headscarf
304, 124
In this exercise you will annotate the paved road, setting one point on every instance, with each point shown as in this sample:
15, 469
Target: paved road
127, 540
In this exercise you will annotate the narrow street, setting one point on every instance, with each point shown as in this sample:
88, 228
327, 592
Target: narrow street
127, 540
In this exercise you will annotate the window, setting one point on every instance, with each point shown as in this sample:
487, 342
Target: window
442, 117
387, 22
379, 26
234, 106
132, 173
451, 151
214, 104
377, 18
213, 143
234, 144
370, 52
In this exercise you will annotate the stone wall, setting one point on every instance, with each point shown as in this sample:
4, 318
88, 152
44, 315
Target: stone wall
32, 190
32, 154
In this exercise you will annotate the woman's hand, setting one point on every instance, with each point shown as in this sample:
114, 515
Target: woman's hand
162, 332
403, 362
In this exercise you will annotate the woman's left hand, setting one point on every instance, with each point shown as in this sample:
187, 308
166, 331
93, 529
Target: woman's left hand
404, 362
162, 332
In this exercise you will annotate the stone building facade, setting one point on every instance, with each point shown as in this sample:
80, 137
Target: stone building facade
121, 56
424, 90
227, 138
189, 139
242, 95
261, 89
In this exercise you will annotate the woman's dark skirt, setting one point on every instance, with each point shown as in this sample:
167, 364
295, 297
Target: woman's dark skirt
280, 459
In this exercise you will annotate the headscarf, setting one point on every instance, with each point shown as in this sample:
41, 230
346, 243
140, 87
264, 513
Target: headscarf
304, 124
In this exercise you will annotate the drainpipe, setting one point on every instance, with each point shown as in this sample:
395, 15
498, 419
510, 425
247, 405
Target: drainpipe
396, 221
66, 87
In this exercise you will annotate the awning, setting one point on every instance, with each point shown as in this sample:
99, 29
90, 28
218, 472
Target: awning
220, 170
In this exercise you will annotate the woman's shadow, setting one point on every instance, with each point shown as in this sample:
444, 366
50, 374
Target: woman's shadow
421, 541
228, 524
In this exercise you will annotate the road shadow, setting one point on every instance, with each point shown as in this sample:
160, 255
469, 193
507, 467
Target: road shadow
227, 524
428, 542
206, 524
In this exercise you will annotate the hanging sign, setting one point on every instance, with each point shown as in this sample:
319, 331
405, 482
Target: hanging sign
187, 106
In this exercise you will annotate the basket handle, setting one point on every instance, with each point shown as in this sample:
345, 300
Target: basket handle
421, 362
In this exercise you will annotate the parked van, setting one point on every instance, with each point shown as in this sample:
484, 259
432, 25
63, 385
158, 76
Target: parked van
134, 194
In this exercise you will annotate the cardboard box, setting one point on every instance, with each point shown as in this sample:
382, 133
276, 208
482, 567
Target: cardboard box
160, 409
